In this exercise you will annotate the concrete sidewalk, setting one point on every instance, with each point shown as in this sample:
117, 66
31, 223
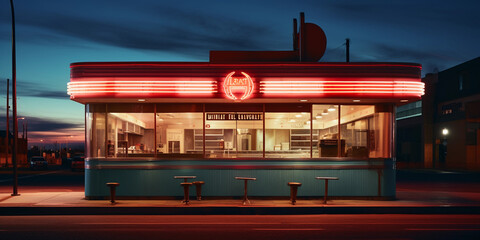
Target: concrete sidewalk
418, 192
73, 203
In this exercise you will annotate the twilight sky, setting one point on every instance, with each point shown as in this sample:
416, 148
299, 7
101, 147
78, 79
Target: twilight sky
51, 34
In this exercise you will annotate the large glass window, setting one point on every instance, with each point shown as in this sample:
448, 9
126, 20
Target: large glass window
170, 130
234, 134
95, 117
325, 131
131, 131
179, 133
287, 135
381, 133
356, 130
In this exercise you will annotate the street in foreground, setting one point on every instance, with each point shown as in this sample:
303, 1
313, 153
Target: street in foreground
386, 226
435, 185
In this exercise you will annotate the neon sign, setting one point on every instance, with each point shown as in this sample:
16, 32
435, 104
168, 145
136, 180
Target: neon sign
238, 88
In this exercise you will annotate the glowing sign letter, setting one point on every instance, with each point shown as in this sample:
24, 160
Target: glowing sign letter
238, 85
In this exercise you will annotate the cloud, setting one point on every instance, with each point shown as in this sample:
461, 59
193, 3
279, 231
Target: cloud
388, 52
31, 89
411, 13
166, 29
379, 52
40, 124
430, 60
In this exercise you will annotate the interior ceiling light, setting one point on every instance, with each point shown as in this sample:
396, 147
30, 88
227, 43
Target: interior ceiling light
404, 100
325, 112
303, 100
356, 100
318, 116
141, 100
298, 115
291, 120
331, 109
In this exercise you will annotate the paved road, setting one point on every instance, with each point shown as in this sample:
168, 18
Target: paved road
384, 226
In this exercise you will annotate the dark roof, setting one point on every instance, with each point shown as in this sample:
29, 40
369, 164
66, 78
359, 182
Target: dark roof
460, 81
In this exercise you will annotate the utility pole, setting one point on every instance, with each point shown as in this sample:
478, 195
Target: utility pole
295, 35
301, 48
347, 44
14, 100
7, 143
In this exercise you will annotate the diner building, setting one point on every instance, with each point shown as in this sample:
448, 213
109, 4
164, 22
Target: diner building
277, 121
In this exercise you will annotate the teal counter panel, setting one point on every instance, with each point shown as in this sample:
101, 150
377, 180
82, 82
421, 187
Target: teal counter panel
155, 178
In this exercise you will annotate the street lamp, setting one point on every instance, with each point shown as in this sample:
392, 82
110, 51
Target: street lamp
14, 100
24, 146
41, 147
67, 144
445, 132
24, 128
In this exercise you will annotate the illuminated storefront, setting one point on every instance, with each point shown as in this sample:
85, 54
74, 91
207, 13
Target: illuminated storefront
149, 121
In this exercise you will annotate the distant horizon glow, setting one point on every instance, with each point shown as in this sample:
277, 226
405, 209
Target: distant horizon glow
51, 137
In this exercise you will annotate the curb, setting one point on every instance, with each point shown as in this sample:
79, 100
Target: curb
15, 211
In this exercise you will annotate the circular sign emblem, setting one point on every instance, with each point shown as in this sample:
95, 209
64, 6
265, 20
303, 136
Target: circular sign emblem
238, 88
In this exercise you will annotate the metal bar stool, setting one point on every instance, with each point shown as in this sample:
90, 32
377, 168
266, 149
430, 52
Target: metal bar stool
293, 191
186, 187
186, 195
198, 188
112, 186
245, 198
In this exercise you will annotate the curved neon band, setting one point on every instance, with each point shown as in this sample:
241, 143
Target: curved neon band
268, 87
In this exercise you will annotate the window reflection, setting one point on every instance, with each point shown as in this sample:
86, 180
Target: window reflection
179, 134
95, 130
287, 135
325, 127
130, 134
356, 130
97, 143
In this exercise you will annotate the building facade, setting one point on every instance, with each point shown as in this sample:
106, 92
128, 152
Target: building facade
442, 130
147, 122
22, 149
451, 113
